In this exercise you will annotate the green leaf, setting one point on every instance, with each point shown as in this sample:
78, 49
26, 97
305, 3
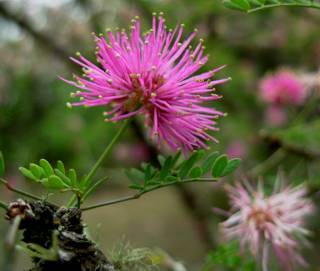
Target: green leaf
73, 178
36, 171
237, 4
135, 175
166, 168
150, 172
2, 164
46, 167
232, 165
255, 5
136, 186
208, 163
171, 179
196, 172
63, 177
27, 173
176, 158
54, 182
219, 165
161, 159
61, 167
188, 164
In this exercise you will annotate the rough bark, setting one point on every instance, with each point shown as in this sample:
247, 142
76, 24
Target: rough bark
75, 251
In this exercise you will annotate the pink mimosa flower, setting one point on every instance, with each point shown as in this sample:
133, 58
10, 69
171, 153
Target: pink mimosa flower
265, 223
282, 88
152, 75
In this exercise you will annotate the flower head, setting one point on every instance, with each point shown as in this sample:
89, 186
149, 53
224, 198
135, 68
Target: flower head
152, 75
262, 222
282, 88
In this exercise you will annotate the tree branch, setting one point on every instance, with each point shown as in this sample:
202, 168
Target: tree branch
43, 39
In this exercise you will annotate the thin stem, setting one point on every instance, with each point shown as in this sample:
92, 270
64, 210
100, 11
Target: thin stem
24, 193
102, 157
310, 5
18, 191
139, 194
106, 152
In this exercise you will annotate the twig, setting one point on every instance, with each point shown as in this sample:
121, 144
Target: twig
23, 193
24, 24
142, 192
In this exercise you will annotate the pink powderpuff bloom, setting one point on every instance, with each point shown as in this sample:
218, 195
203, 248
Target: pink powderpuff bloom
265, 223
152, 75
282, 88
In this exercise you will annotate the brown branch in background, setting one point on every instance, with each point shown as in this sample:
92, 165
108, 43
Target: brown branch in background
25, 25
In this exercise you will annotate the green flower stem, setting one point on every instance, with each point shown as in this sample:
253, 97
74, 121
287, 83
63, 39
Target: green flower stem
309, 5
106, 152
142, 192
101, 159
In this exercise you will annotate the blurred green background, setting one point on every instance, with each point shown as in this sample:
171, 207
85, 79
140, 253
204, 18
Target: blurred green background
38, 36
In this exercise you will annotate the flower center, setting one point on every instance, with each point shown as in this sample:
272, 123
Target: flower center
141, 95
260, 217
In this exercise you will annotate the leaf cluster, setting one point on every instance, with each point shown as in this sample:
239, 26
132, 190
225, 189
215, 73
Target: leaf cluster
54, 177
173, 171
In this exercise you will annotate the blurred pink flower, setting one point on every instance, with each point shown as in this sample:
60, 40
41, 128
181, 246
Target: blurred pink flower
269, 222
132, 153
275, 116
282, 88
152, 75
236, 149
